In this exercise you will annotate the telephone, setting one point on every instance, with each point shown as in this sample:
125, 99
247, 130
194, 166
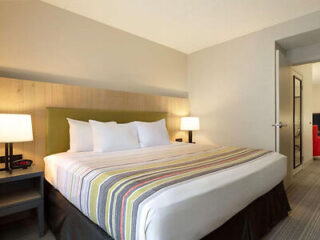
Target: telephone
23, 163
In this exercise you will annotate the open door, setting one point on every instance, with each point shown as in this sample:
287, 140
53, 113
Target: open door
284, 111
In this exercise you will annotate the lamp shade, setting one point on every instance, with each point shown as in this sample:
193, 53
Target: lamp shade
190, 123
15, 128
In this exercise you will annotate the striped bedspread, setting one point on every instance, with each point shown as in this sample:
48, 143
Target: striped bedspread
109, 191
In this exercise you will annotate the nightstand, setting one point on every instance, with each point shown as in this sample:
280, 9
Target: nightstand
22, 190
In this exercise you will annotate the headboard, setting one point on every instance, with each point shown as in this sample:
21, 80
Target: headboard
57, 133
33, 97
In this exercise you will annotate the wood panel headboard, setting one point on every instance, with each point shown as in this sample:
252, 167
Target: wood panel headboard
31, 97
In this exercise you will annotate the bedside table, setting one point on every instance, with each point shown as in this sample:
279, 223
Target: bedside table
22, 190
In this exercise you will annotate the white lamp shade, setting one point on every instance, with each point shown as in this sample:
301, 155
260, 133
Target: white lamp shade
190, 123
15, 128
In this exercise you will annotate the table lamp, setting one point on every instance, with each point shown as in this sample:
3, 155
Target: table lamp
14, 128
190, 124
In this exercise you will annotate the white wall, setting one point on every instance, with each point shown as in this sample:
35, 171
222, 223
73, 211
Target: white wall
305, 54
306, 72
42, 42
231, 86
316, 98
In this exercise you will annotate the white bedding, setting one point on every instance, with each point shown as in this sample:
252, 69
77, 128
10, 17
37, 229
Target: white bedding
192, 209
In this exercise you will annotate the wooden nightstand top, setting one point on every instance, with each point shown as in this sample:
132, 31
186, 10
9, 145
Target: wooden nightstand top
18, 174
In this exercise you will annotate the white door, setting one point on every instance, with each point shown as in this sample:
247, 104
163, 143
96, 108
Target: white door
284, 110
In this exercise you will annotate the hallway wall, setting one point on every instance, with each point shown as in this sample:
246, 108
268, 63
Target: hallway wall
316, 98
232, 86
307, 109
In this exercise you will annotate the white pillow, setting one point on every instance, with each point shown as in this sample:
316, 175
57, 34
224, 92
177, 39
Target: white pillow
80, 136
152, 133
113, 137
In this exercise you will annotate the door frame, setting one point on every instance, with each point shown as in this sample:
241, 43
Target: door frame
277, 99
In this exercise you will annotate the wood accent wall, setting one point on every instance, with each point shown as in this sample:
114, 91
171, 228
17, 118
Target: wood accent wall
31, 97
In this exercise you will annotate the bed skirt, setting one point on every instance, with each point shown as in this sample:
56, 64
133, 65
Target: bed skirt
68, 223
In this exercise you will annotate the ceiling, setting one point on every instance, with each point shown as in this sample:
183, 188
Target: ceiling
316, 73
301, 40
189, 25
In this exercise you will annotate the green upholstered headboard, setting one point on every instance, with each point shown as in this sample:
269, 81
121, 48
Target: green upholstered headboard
57, 134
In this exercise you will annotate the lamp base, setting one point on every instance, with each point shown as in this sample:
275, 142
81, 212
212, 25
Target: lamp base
6, 169
8, 158
15, 157
190, 136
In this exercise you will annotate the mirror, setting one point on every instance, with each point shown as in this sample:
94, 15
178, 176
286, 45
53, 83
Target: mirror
297, 124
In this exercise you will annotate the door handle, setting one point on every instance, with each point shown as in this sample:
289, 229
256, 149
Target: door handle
279, 125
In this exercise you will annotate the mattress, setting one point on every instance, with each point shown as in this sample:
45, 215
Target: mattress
188, 210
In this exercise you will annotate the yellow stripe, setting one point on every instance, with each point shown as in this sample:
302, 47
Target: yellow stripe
72, 177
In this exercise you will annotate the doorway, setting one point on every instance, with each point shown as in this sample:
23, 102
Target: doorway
295, 110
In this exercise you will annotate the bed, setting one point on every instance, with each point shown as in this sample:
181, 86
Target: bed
176, 191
